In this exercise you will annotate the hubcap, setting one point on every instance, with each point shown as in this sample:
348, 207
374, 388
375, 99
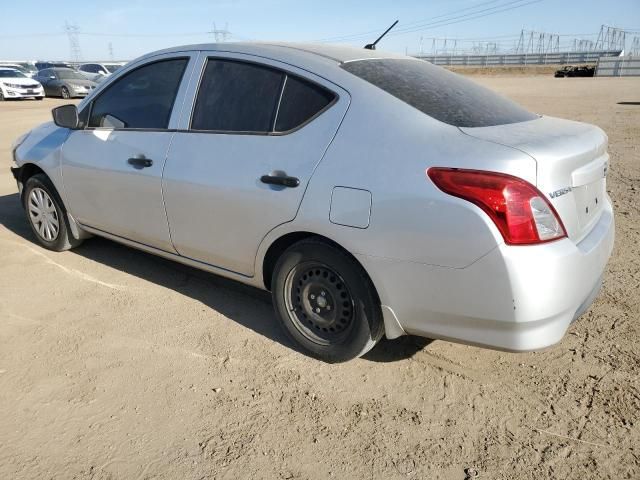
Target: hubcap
43, 214
319, 303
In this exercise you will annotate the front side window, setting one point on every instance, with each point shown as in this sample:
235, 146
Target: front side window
439, 93
237, 96
143, 98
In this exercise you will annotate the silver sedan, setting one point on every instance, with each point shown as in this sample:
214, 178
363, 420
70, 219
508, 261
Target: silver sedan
373, 194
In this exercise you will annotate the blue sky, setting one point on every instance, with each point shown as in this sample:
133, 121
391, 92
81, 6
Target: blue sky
135, 27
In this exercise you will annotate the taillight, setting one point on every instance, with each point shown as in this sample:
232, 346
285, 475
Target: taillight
518, 209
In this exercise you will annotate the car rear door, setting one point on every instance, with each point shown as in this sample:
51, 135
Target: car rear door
112, 169
241, 162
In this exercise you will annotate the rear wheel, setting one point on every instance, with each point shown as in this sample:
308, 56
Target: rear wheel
64, 91
46, 214
326, 302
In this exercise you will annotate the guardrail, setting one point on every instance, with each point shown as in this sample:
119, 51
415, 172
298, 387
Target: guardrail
618, 67
509, 59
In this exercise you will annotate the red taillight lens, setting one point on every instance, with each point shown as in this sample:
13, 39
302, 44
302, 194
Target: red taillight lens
522, 214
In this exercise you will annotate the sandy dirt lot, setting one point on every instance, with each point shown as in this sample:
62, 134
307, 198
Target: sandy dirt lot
115, 364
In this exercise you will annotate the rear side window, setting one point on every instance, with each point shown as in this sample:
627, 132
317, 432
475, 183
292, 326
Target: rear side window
142, 98
439, 93
301, 101
238, 97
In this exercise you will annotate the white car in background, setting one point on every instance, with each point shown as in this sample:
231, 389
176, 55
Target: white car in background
28, 70
15, 84
98, 71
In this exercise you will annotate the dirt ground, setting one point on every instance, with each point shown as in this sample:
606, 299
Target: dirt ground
115, 364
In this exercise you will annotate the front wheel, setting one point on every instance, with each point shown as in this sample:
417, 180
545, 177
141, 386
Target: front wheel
46, 214
326, 302
64, 91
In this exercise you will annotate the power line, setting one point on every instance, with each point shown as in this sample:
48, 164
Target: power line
371, 32
465, 18
450, 20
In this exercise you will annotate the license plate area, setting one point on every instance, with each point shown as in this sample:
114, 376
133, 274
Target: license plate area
589, 200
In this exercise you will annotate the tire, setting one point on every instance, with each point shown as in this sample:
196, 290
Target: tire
1, 96
64, 92
53, 231
325, 302
39, 98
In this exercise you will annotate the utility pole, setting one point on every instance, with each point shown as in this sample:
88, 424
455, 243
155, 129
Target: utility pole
110, 51
72, 30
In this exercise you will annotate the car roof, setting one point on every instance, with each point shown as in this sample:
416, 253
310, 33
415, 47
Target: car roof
332, 52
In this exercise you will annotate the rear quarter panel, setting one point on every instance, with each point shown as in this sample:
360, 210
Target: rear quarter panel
385, 146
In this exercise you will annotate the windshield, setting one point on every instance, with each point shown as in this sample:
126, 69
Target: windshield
441, 94
70, 74
11, 74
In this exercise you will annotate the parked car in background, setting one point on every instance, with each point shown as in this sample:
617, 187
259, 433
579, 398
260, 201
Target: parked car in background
64, 82
43, 65
15, 84
563, 72
371, 193
16, 66
95, 70
573, 71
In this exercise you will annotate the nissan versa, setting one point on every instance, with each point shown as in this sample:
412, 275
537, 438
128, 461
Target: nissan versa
371, 193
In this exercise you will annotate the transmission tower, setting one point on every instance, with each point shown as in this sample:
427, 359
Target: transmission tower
220, 34
635, 47
73, 30
611, 38
538, 42
110, 51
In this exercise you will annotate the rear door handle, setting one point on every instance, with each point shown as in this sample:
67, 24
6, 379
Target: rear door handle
140, 161
280, 178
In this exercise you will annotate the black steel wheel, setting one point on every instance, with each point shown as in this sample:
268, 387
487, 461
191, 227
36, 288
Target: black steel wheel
326, 302
319, 303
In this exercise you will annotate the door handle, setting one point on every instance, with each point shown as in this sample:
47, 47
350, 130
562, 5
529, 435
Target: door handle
280, 178
140, 161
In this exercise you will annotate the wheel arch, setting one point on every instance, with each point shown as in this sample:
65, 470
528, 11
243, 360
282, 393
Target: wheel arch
28, 170
283, 242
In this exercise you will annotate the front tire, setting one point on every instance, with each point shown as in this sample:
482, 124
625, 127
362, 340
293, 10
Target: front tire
64, 92
46, 214
325, 301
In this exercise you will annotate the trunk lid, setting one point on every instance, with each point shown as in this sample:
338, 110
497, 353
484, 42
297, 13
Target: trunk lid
572, 163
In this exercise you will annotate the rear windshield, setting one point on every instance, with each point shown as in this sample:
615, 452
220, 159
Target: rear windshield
439, 93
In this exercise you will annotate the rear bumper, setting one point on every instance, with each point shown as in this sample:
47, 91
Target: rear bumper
516, 298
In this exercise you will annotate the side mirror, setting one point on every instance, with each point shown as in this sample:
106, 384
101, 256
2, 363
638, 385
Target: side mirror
65, 116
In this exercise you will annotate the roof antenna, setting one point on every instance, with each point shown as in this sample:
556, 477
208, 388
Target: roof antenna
372, 46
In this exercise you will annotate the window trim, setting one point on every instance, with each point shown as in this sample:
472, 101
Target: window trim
124, 74
272, 132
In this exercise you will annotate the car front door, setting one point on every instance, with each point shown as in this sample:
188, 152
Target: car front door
44, 77
240, 164
112, 168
